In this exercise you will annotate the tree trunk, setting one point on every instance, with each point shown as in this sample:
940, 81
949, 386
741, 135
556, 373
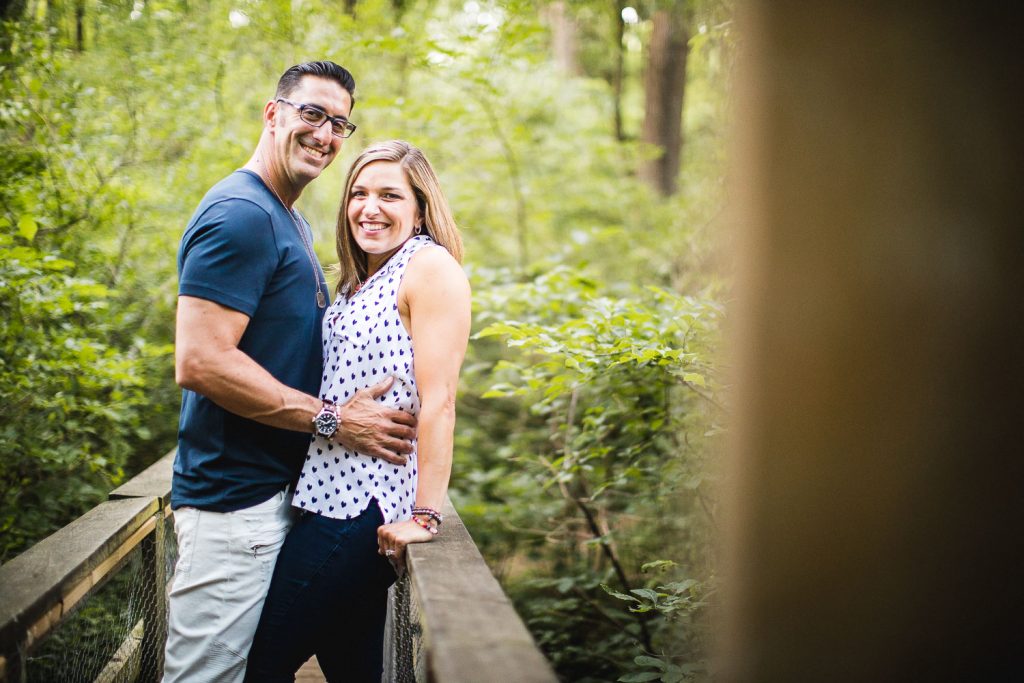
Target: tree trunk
564, 38
664, 86
618, 72
11, 10
79, 25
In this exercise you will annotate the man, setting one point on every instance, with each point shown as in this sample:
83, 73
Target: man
251, 300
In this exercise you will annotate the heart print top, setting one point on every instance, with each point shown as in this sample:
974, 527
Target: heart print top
364, 341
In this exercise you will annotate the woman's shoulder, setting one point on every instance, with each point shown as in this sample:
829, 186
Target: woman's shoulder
433, 260
433, 269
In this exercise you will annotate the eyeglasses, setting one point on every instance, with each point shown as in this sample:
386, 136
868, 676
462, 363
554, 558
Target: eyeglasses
316, 117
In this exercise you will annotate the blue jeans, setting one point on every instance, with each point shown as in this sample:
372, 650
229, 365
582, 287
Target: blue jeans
328, 597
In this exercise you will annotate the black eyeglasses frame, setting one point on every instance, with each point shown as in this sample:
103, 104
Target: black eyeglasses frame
347, 127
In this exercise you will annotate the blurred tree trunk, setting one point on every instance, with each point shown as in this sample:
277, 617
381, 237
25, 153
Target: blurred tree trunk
564, 38
9, 11
79, 25
618, 71
664, 87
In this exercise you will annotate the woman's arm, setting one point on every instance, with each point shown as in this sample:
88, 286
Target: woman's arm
434, 302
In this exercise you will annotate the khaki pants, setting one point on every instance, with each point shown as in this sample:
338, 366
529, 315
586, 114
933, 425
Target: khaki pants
225, 561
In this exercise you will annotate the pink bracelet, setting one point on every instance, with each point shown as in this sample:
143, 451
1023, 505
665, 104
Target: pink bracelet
425, 525
429, 512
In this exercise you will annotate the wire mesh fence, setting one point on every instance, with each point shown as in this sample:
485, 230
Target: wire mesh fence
116, 634
403, 636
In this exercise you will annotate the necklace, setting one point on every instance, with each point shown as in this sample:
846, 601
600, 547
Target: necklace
321, 300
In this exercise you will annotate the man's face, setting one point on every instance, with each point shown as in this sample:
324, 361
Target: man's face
301, 151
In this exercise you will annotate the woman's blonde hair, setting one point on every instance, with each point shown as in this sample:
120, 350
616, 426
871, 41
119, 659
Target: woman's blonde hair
433, 207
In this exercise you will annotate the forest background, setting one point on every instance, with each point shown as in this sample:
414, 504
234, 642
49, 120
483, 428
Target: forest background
582, 147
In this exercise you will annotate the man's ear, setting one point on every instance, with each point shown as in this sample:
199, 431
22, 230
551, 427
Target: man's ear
269, 113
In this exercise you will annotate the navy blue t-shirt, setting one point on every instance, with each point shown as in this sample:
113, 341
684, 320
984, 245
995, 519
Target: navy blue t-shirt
243, 251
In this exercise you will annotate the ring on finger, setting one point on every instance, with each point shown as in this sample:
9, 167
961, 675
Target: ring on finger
390, 552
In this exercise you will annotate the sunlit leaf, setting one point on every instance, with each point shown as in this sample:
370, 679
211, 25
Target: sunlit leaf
27, 227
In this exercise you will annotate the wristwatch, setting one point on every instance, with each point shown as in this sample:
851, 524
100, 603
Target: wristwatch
325, 423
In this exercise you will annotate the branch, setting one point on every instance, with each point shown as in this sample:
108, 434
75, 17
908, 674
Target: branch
606, 548
704, 396
592, 524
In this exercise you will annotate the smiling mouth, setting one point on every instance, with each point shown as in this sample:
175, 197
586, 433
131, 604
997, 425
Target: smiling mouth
319, 154
373, 226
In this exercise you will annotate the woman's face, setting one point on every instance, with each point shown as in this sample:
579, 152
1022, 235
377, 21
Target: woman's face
382, 211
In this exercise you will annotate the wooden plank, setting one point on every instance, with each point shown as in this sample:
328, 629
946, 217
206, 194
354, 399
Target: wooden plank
105, 567
39, 587
153, 481
471, 631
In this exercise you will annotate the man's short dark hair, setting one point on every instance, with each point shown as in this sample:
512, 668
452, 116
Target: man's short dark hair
290, 79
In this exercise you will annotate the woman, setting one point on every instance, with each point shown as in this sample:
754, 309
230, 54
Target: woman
402, 295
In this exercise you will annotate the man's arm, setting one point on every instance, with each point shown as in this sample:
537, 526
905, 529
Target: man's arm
209, 362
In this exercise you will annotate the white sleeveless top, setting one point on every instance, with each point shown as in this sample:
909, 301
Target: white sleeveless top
364, 341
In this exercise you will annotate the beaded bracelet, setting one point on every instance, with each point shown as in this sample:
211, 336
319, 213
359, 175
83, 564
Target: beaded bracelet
429, 512
425, 525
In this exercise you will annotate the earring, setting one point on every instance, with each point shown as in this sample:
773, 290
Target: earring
419, 228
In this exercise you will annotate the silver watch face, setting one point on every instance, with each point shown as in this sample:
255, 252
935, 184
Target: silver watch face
326, 422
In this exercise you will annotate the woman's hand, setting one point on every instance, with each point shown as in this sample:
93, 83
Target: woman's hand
395, 536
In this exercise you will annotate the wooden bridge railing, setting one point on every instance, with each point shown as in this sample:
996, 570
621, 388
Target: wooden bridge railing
450, 621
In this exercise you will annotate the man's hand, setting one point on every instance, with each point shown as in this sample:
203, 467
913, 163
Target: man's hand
370, 428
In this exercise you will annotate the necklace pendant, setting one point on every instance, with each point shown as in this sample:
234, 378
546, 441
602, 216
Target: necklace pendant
321, 300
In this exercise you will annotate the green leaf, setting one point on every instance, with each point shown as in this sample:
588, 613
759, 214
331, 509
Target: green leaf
615, 593
493, 393
660, 565
680, 586
645, 660
673, 676
639, 677
27, 227
694, 378
646, 593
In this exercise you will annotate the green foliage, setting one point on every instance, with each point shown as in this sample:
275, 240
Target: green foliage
77, 374
74, 404
604, 480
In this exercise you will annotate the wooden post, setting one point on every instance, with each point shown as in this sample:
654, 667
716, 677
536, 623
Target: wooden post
12, 665
875, 511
